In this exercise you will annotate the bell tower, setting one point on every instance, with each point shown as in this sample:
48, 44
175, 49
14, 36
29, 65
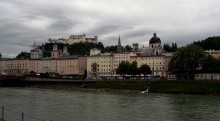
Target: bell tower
55, 52
155, 44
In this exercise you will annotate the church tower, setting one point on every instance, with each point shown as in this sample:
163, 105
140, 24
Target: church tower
155, 44
119, 47
55, 52
65, 51
36, 52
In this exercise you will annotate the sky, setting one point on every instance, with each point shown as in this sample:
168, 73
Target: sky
175, 21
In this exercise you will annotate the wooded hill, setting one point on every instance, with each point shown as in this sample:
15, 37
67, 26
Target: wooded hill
209, 43
74, 49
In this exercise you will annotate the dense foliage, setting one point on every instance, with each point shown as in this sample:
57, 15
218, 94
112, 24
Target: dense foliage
74, 49
110, 49
83, 48
169, 48
123, 68
210, 64
23, 55
186, 59
144, 69
191, 59
114, 48
209, 43
131, 69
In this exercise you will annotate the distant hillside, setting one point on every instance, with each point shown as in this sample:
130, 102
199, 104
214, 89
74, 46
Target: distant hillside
209, 43
83, 48
75, 49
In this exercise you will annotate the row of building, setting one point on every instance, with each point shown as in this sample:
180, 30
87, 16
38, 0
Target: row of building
95, 65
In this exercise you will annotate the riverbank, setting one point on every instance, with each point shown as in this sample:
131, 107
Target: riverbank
170, 87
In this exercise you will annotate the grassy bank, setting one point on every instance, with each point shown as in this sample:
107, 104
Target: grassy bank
176, 87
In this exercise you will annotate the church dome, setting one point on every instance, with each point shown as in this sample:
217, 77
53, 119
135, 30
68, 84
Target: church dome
154, 39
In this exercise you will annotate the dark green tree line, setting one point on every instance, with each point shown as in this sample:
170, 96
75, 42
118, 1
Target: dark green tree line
131, 69
186, 59
169, 48
209, 43
23, 55
191, 59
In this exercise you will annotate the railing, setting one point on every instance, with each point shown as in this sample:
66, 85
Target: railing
11, 115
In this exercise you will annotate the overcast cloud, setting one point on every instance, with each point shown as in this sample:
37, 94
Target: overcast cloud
179, 21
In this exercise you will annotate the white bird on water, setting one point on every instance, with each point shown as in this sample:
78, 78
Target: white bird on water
146, 91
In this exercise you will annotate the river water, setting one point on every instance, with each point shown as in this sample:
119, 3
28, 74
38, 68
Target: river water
69, 105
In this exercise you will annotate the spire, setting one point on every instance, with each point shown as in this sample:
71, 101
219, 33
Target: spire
119, 41
35, 45
119, 48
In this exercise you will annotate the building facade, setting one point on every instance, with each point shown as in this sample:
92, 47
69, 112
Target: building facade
71, 65
3, 66
156, 63
119, 57
99, 65
213, 53
16, 66
36, 52
94, 51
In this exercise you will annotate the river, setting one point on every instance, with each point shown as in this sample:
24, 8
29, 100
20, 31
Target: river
70, 105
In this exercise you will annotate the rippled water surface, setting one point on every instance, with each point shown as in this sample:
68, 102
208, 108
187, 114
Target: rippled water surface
68, 105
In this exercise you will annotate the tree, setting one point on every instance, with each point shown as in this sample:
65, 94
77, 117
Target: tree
23, 55
123, 68
133, 69
128, 48
209, 43
169, 48
186, 59
144, 69
110, 49
74, 49
210, 64
46, 54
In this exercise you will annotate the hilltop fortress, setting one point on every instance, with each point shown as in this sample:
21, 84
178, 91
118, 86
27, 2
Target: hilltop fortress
74, 39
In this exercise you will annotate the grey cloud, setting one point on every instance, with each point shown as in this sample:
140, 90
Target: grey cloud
103, 29
62, 24
108, 22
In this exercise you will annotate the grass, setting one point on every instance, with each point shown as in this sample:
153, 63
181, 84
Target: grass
185, 87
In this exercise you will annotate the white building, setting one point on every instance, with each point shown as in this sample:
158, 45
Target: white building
74, 39
36, 52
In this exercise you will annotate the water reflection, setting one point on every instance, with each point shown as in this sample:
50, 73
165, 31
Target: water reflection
66, 105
